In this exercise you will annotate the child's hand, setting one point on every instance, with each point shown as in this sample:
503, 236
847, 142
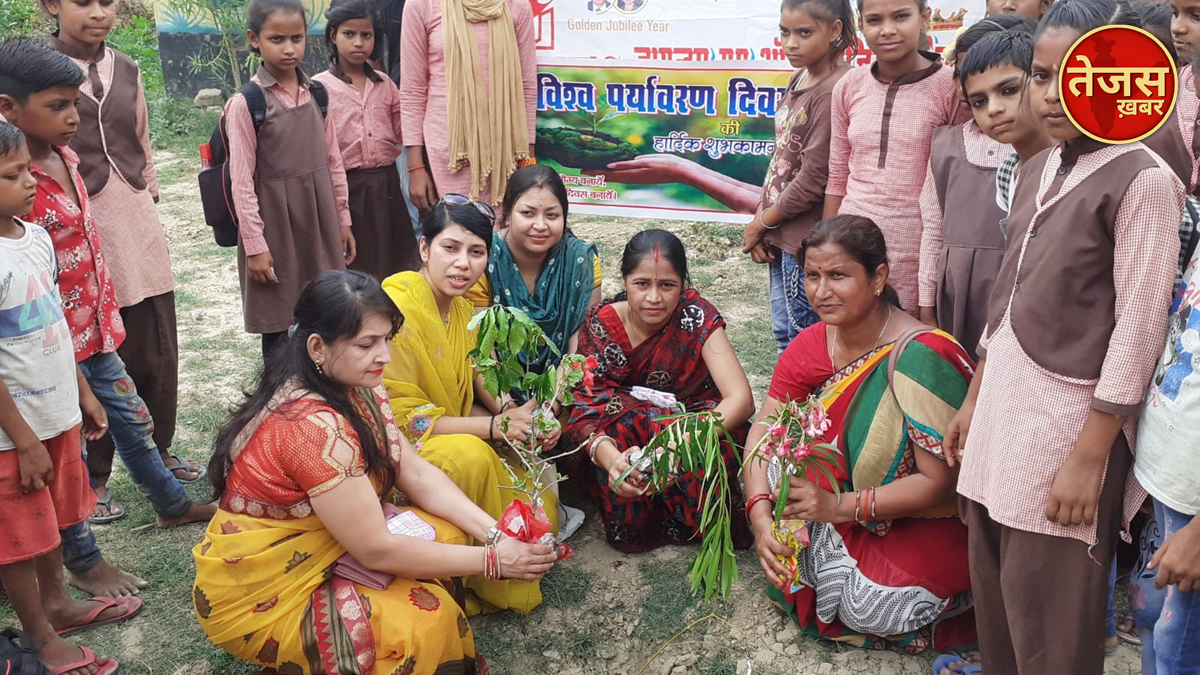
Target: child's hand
349, 247
1075, 492
261, 268
956, 434
95, 420
37, 471
1178, 559
421, 190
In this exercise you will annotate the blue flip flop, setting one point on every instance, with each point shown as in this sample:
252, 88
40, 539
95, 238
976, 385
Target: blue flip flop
945, 660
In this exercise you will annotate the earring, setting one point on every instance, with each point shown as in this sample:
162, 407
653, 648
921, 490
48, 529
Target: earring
877, 292
321, 372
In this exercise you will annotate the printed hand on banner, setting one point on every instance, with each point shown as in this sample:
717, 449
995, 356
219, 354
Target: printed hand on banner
661, 168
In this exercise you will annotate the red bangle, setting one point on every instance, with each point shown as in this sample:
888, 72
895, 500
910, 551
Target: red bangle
756, 499
416, 168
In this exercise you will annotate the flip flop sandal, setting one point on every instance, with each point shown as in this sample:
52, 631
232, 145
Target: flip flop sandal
107, 502
89, 659
1129, 636
1109, 650
184, 465
131, 604
945, 660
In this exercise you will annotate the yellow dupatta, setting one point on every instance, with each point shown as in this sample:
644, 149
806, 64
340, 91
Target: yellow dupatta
430, 374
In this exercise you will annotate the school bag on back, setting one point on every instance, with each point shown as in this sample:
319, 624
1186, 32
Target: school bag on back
216, 187
18, 656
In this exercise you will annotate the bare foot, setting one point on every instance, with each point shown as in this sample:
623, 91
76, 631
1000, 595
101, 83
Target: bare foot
104, 579
74, 611
197, 512
56, 652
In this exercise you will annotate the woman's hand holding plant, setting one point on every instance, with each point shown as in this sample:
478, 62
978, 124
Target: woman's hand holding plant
768, 548
616, 463
517, 423
809, 501
527, 562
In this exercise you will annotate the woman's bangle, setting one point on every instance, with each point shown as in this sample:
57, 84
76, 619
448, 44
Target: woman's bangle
418, 167
493, 535
762, 219
491, 562
857, 506
872, 505
595, 444
762, 496
492, 430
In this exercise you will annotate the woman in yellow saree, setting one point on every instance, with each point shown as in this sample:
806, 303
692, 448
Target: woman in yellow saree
437, 399
301, 471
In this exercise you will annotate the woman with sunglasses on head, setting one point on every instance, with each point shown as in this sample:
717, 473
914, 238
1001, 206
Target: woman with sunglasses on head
437, 397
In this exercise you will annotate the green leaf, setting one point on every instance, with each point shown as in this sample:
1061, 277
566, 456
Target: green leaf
785, 486
490, 383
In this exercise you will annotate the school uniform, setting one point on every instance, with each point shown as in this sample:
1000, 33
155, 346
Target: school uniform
795, 187
1074, 323
117, 166
368, 134
962, 241
880, 151
296, 185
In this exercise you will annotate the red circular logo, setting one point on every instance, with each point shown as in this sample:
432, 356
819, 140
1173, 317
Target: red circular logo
1118, 84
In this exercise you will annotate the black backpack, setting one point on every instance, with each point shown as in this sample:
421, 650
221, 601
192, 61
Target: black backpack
19, 659
216, 188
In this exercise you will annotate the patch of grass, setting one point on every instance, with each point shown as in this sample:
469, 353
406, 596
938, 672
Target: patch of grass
755, 346
565, 587
716, 665
667, 602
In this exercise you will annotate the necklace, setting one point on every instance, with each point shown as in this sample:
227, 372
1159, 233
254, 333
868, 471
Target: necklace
833, 342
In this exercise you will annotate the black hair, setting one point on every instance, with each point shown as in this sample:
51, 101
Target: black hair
921, 5
861, 239
1156, 19
467, 215
992, 24
830, 11
341, 11
11, 138
259, 11
651, 242
1010, 47
1087, 15
29, 66
527, 178
334, 306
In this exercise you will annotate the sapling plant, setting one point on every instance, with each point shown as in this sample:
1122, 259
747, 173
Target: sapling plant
505, 336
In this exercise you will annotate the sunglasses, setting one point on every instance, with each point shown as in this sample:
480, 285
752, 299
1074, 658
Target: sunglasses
463, 200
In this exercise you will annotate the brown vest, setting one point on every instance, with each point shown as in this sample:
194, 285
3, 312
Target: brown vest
1195, 150
108, 129
1063, 298
973, 236
1167, 142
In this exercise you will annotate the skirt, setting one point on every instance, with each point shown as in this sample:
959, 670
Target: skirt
383, 230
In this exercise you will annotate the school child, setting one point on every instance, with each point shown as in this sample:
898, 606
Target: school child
1045, 437
45, 409
288, 180
1168, 141
883, 120
39, 88
364, 106
815, 35
113, 144
963, 240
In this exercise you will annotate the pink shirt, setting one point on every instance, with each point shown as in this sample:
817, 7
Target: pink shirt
423, 84
879, 155
1027, 418
981, 151
243, 156
368, 124
135, 243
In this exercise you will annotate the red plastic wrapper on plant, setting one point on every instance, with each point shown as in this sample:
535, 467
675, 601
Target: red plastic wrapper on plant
520, 521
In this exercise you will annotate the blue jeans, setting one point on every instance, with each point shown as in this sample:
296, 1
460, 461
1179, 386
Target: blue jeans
402, 166
1167, 621
79, 549
790, 311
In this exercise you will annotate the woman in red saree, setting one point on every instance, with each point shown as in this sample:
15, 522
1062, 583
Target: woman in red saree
659, 349
887, 563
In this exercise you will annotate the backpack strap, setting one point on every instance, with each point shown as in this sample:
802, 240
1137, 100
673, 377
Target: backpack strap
256, 102
320, 94
899, 346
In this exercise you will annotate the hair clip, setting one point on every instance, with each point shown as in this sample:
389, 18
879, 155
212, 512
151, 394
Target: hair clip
292, 329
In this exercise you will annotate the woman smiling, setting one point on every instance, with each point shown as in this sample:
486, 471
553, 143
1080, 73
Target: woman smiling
888, 558
438, 400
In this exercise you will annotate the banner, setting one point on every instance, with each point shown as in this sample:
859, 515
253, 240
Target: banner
696, 30
661, 140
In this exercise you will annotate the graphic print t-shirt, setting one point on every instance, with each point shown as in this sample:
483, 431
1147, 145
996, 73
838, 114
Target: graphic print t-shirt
1168, 446
37, 361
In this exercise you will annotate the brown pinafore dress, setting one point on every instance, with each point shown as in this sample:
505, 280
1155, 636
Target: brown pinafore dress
973, 238
298, 208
